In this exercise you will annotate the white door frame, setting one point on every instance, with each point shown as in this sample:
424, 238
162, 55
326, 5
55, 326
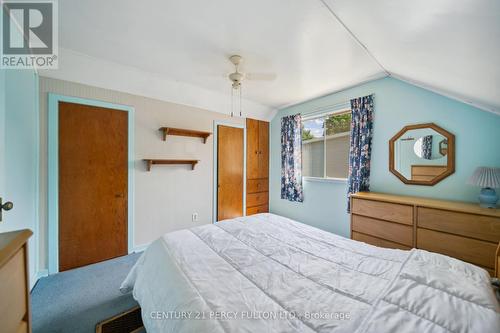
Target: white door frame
53, 171
216, 139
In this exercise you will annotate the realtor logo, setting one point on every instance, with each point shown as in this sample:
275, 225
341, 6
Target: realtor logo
29, 34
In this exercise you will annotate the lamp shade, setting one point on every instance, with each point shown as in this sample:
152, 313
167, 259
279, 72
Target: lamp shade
485, 177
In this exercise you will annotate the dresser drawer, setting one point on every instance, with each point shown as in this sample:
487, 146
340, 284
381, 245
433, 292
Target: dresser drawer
394, 232
257, 185
378, 241
257, 209
470, 225
257, 199
467, 249
13, 305
383, 210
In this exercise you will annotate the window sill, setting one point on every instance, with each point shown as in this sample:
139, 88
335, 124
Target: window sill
325, 180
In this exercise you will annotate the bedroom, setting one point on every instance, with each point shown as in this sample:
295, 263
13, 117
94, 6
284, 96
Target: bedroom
348, 149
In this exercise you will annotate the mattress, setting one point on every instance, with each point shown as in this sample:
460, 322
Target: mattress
267, 273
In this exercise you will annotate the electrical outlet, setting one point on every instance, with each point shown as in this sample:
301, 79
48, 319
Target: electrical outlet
194, 217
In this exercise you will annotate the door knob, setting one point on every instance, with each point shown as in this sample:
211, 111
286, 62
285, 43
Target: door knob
5, 206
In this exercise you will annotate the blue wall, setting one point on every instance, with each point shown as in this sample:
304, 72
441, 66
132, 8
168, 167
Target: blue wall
397, 104
19, 155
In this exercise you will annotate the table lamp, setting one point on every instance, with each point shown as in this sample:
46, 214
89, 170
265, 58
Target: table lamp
488, 179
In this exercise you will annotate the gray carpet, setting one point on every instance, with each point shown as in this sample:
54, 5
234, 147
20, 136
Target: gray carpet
76, 300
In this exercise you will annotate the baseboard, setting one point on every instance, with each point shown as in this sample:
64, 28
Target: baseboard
139, 248
42, 273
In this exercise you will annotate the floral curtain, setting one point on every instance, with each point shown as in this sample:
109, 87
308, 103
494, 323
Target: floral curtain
361, 145
427, 147
291, 158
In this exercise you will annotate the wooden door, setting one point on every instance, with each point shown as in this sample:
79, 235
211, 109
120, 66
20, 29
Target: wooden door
263, 149
229, 172
252, 148
93, 182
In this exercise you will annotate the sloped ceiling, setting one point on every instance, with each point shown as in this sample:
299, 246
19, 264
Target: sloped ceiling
314, 47
451, 46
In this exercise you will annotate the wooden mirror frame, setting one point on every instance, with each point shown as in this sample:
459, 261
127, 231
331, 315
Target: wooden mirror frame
442, 150
450, 156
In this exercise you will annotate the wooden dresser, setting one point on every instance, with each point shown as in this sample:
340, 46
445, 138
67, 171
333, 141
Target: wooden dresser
457, 229
15, 315
257, 166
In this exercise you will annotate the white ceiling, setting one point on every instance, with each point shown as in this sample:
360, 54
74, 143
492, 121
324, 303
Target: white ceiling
449, 45
452, 46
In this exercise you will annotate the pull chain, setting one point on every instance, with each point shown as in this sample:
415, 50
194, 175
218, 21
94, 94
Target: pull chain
232, 100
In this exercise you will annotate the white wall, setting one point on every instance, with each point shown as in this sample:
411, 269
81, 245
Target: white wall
166, 197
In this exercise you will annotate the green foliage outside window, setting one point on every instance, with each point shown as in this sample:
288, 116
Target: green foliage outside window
306, 134
333, 124
338, 123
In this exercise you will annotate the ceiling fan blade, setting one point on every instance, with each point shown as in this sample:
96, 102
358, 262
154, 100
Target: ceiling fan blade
261, 76
213, 76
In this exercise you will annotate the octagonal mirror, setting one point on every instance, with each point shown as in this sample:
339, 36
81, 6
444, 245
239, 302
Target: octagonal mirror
422, 154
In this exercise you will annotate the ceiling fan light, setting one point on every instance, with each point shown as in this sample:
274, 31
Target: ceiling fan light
236, 76
235, 59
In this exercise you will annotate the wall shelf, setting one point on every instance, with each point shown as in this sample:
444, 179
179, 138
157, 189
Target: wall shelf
151, 162
184, 132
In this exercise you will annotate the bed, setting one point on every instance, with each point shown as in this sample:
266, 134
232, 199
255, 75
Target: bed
267, 273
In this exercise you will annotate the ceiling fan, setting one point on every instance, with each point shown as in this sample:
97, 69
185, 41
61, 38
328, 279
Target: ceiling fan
237, 77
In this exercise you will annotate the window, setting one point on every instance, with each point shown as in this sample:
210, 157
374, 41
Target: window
325, 145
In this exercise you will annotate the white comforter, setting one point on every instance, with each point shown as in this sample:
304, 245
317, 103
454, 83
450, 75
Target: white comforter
267, 273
